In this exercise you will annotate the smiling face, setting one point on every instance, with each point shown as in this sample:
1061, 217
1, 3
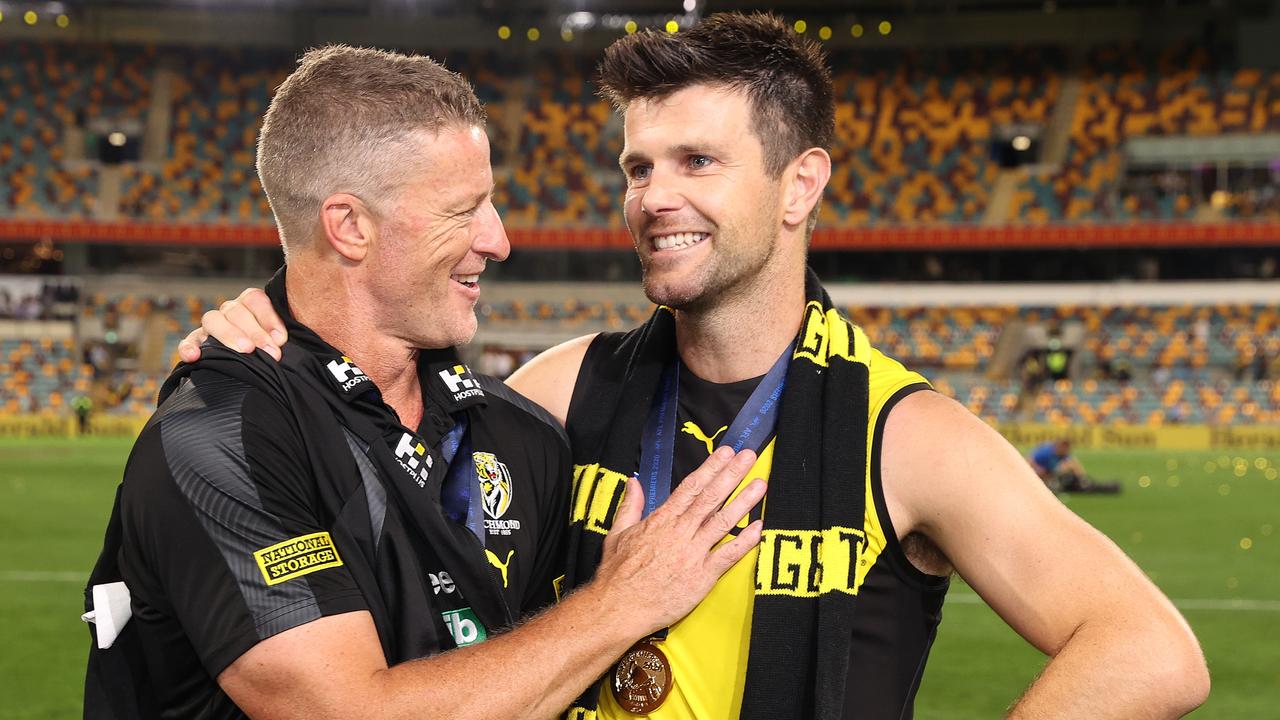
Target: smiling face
703, 212
434, 238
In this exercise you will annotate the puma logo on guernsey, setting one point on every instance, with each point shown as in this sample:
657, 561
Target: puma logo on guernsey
502, 566
694, 430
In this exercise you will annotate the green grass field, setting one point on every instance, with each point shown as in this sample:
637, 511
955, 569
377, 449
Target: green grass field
1203, 525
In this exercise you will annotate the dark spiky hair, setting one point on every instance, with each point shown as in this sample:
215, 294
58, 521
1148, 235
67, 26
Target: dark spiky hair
785, 77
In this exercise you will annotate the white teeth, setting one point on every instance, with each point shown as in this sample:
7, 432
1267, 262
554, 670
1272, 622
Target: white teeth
678, 240
467, 278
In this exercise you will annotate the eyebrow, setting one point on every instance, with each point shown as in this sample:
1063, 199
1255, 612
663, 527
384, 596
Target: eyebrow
479, 197
690, 149
630, 156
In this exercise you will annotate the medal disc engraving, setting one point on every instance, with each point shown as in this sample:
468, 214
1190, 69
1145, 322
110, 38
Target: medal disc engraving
642, 679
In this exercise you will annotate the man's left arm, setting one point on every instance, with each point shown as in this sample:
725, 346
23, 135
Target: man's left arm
1117, 646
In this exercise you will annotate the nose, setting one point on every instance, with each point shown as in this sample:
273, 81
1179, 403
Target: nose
661, 194
490, 237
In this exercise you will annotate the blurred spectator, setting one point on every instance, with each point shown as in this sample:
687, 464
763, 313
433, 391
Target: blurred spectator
1057, 360
1062, 471
83, 406
1033, 370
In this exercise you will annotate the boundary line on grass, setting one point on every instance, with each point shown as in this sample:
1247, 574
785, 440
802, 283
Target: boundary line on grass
965, 598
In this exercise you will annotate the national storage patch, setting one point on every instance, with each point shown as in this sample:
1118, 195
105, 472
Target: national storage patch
296, 557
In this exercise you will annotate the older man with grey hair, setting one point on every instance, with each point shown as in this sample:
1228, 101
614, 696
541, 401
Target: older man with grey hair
337, 533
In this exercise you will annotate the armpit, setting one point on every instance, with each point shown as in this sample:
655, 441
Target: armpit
925, 556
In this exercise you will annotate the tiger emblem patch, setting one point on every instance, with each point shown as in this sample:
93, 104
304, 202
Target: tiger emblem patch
495, 484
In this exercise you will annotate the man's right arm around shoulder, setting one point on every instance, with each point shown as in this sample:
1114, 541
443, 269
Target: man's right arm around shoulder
653, 572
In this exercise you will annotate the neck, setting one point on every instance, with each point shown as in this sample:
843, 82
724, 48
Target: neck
338, 309
741, 336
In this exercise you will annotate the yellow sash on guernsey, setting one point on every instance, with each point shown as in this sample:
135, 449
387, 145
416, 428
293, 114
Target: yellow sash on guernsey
707, 650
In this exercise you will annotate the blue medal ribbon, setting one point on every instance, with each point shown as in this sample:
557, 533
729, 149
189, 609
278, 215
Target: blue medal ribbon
458, 495
751, 428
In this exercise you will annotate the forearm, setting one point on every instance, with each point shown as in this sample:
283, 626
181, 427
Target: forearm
542, 668
1124, 669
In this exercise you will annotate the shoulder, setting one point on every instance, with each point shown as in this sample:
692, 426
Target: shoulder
204, 404
888, 381
213, 432
607, 358
211, 404
549, 378
934, 453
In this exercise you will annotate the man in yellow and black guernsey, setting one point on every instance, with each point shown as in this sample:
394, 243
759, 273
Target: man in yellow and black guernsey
878, 488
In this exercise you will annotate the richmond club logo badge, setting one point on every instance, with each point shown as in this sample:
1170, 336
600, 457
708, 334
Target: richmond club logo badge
460, 382
412, 456
346, 373
495, 484
495, 492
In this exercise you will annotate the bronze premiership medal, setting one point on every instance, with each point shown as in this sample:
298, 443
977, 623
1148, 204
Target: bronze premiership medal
642, 679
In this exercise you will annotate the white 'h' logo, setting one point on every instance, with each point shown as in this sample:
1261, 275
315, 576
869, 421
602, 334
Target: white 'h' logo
457, 378
343, 371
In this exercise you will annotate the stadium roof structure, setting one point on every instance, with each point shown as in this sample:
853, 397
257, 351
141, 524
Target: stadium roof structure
789, 7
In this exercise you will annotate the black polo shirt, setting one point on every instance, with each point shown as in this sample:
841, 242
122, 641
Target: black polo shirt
261, 497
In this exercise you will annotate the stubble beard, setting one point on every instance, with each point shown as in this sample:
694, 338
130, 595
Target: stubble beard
720, 278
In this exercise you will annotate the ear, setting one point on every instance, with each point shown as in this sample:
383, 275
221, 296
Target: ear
348, 225
804, 182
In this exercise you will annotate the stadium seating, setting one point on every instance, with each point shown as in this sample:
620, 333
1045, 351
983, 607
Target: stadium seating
40, 376
46, 88
913, 132
1215, 364
913, 129
218, 102
565, 169
148, 330
1128, 92
952, 338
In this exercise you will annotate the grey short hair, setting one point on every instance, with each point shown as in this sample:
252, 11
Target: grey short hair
347, 120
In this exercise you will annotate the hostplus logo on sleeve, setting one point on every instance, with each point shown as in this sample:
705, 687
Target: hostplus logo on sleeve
460, 382
346, 373
414, 458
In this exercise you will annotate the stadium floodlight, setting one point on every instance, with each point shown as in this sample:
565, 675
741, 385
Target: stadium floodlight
580, 20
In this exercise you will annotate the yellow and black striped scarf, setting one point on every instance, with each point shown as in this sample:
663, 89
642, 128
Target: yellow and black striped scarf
802, 618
